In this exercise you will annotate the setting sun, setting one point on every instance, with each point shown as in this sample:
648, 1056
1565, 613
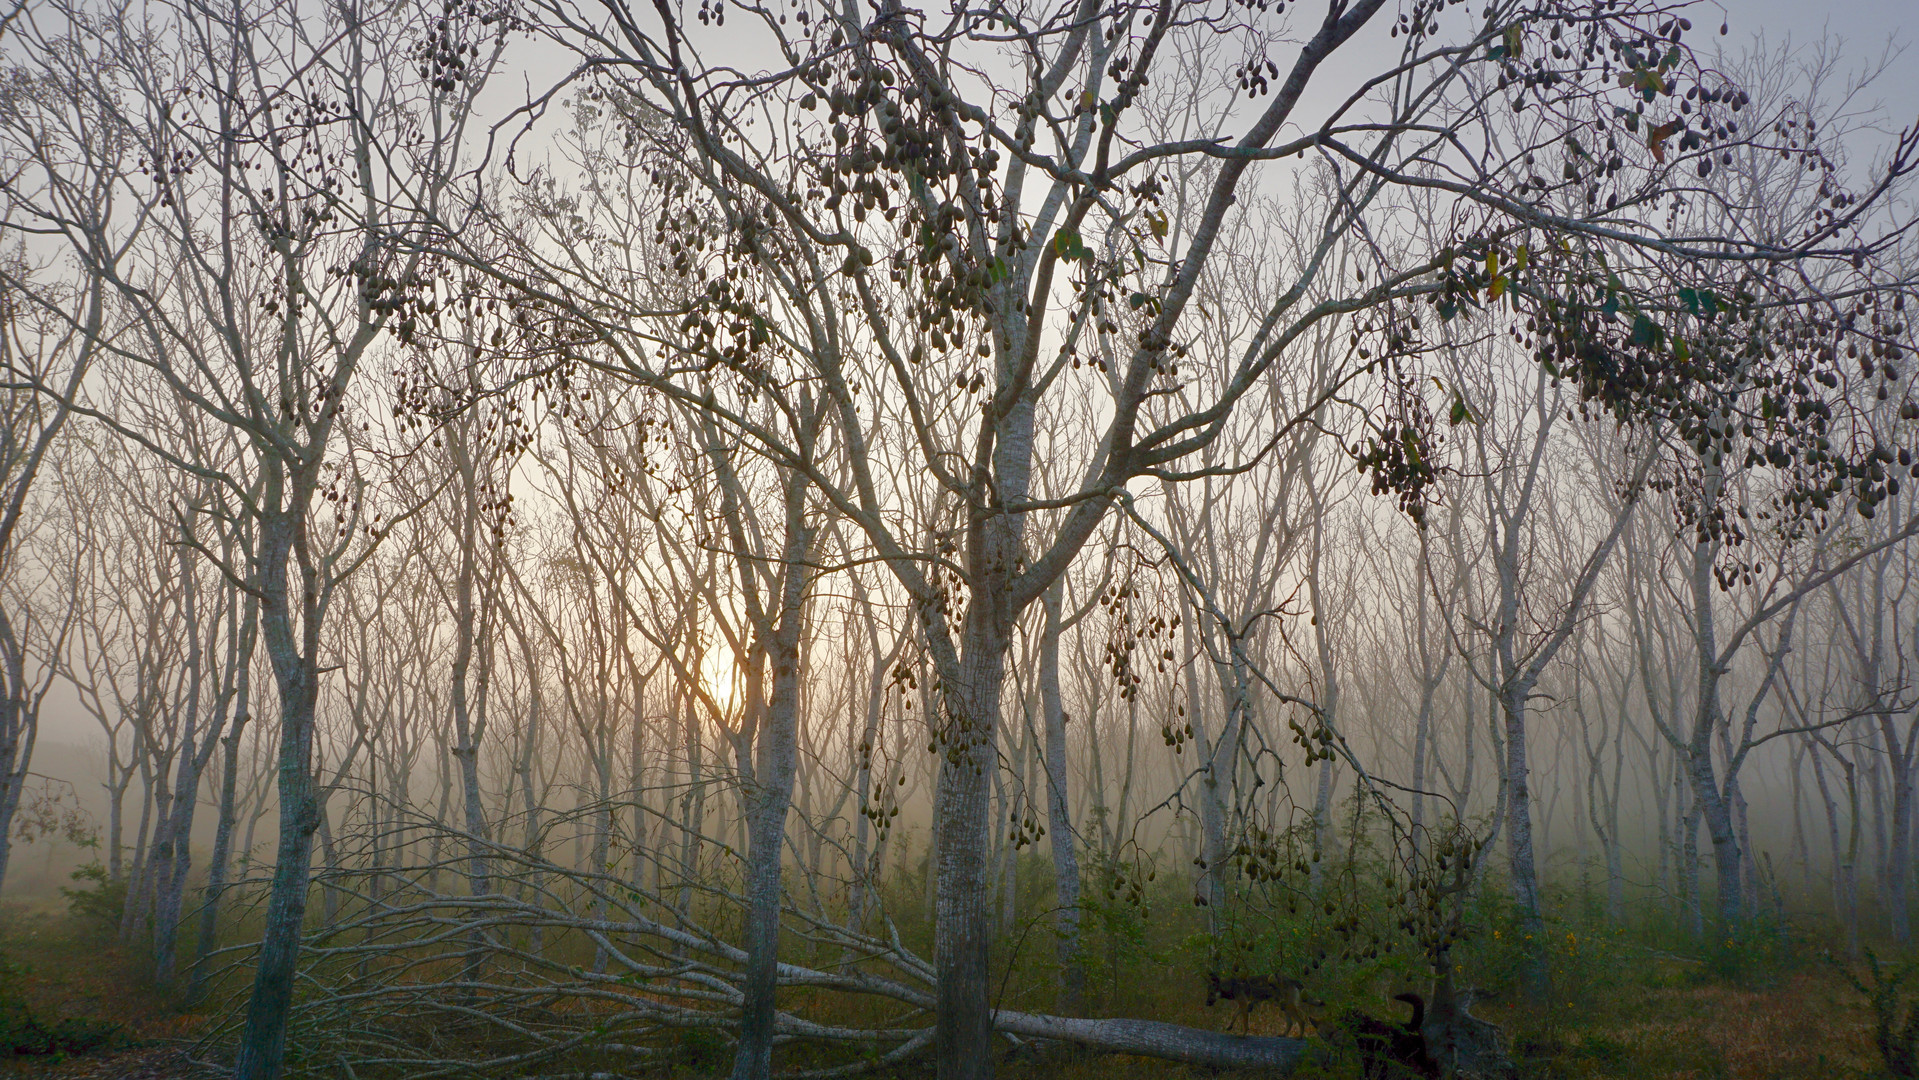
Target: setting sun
720, 678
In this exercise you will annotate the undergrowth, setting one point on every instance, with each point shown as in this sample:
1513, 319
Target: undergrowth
1636, 997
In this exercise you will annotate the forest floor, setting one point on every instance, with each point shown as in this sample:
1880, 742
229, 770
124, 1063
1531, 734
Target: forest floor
1658, 1019
60, 970
1664, 1020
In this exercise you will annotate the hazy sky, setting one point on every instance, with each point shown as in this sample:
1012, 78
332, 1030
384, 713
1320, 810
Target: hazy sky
1867, 27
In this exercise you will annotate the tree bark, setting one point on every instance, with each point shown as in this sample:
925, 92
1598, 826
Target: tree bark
1153, 1038
222, 856
963, 931
777, 755
1059, 814
294, 653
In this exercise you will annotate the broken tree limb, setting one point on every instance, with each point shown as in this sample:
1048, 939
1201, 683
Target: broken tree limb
1154, 1038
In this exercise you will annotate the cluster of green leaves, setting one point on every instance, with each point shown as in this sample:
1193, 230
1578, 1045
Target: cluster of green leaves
1351, 924
100, 904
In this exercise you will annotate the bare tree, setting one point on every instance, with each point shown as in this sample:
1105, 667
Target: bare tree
244, 266
934, 223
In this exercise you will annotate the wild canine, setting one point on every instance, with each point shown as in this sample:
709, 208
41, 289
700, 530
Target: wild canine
1391, 1051
1248, 991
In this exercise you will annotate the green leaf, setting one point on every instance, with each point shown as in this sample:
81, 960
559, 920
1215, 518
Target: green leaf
1460, 413
1645, 332
1067, 245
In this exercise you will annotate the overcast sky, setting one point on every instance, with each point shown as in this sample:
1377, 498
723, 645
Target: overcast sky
1867, 27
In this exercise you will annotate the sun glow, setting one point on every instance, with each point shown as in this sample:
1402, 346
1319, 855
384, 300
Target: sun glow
720, 678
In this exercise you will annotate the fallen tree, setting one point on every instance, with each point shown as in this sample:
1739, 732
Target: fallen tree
1154, 1038
590, 971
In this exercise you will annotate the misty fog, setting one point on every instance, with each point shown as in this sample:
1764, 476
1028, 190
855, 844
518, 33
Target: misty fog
547, 539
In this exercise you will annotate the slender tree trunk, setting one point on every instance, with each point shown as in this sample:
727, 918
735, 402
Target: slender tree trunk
1615, 847
1709, 801
1322, 824
777, 757
329, 862
173, 856
1801, 847
1003, 850
1845, 898
19, 723
170, 897
692, 809
962, 935
1211, 789
1741, 818
294, 652
137, 873
1689, 887
636, 789
1520, 837
1329, 676
865, 868
1059, 814
1516, 682
19, 709
116, 812
469, 730
1898, 844
1711, 807
222, 855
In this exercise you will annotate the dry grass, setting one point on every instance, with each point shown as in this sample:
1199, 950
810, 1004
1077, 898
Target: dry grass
1806, 1025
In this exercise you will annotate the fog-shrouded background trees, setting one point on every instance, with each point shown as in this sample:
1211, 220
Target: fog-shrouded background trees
539, 538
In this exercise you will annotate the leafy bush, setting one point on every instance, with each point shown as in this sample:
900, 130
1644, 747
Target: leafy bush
1755, 950
1896, 1036
99, 905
